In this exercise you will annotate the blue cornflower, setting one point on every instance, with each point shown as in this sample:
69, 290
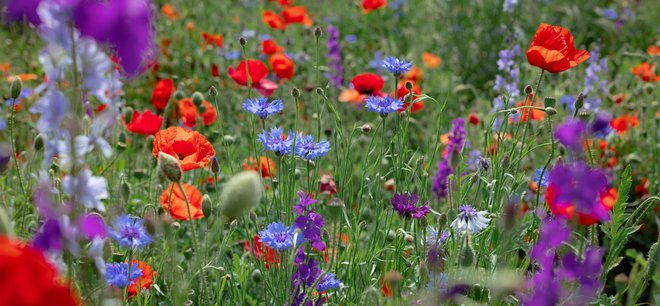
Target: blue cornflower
129, 232
232, 54
350, 38
396, 66
310, 150
470, 220
435, 238
278, 236
328, 282
276, 141
567, 102
610, 14
383, 105
116, 274
262, 108
537, 176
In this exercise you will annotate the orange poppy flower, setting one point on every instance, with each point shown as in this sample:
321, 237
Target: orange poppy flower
211, 40
350, 95
415, 74
552, 49
622, 123
534, 114
5, 67
177, 207
189, 112
273, 20
431, 60
269, 46
645, 72
190, 147
22, 77
370, 5
282, 65
190, 26
28, 278
296, 14
144, 281
653, 50
169, 12
266, 164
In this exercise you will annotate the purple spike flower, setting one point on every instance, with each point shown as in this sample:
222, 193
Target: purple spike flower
457, 136
334, 58
578, 184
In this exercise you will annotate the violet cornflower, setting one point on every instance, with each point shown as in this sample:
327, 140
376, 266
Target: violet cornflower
308, 149
310, 225
383, 105
277, 236
405, 205
334, 58
304, 202
276, 141
571, 133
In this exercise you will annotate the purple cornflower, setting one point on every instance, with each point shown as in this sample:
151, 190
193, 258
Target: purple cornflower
537, 176
129, 232
262, 108
470, 220
334, 58
473, 160
116, 274
571, 133
397, 66
579, 185
276, 141
310, 150
328, 282
49, 237
277, 236
304, 201
457, 136
383, 105
311, 225
405, 205
86, 189
433, 238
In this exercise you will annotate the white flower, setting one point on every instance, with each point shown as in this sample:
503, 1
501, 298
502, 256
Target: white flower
470, 220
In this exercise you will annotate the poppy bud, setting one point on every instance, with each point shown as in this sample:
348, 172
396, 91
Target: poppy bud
423, 222
408, 238
366, 128
579, 102
213, 92
176, 226
169, 167
403, 114
318, 32
39, 142
6, 228
121, 141
229, 139
242, 41
178, 95
319, 91
252, 216
206, 204
202, 109
621, 282
295, 92
197, 98
551, 111
15, 88
242, 192
362, 224
652, 264
128, 114
455, 158
467, 254
215, 167
256, 276
327, 132
391, 235
505, 162
409, 85
528, 89
125, 191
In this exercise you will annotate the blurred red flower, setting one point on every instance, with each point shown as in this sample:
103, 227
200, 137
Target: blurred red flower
282, 65
370, 5
261, 250
368, 84
266, 164
269, 46
161, 93
622, 123
273, 20
296, 14
144, 281
146, 123
645, 72
553, 50
211, 40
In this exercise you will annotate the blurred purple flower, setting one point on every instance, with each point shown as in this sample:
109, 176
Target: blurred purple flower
18, 10
578, 184
86, 189
92, 226
405, 204
571, 133
334, 58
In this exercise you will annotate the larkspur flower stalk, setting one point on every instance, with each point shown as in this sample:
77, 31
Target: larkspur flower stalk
334, 57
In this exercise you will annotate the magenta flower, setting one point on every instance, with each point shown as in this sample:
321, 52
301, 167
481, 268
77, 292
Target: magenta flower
406, 205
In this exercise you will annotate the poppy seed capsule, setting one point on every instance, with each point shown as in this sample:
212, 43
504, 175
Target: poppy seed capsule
528, 89
15, 88
551, 111
295, 92
549, 102
213, 92
197, 99
242, 192
39, 142
169, 167
242, 41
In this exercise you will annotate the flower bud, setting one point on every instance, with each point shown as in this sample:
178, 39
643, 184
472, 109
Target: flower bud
393, 280
579, 102
651, 268
505, 162
318, 32
213, 92
176, 226
242, 192
549, 102
366, 128
252, 216
528, 89
408, 238
202, 109
295, 92
215, 167
648, 88
335, 209
391, 236
207, 205
467, 254
621, 282
319, 91
178, 95
551, 111
128, 114
242, 41
584, 115
39, 142
169, 167
256, 276
197, 98
15, 88
455, 158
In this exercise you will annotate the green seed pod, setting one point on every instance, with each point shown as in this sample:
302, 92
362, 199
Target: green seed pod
648, 88
318, 32
242, 41
528, 89
551, 111
252, 216
256, 276
207, 205
169, 167
178, 95
213, 92
549, 102
390, 236
335, 209
241, 193
128, 114
467, 254
295, 92
15, 88
197, 98
6, 227
202, 109
39, 142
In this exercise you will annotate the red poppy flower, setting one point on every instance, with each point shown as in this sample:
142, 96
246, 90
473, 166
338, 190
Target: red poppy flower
269, 46
169, 12
144, 281
552, 49
266, 164
161, 93
296, 14
282, 65
273, 20
622, 123
607, 200
177, 207
215, 71
189, 112
27, 278
653, 50
258, 73
211, 40
146, 123
327, 185
402, 92
368, 84
642, 189
190, 147
645, 72
370, 5
473, 118
261, 250
534, 114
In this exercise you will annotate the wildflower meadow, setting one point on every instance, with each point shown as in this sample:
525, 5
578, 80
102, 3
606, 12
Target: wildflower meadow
330, 152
